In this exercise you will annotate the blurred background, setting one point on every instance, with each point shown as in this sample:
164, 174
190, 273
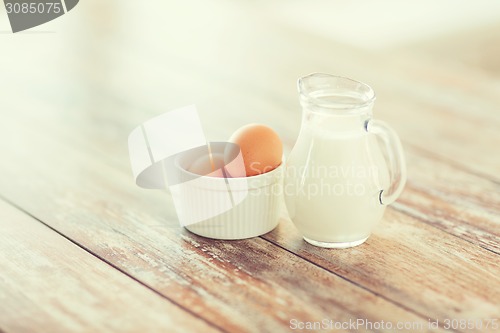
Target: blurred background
107, 66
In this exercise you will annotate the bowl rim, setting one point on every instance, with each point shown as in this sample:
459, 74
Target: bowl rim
195, 175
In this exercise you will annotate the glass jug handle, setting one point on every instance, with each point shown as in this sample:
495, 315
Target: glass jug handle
396, 159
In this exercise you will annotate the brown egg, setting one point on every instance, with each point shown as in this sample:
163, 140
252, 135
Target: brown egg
260, 146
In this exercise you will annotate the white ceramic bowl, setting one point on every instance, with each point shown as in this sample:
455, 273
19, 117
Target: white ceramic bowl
228, 208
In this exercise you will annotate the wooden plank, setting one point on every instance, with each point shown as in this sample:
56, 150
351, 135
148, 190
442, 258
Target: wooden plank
434, 99
476, 48
49, 284
79, 140
414, 264
448, 198
463, 204
243, 286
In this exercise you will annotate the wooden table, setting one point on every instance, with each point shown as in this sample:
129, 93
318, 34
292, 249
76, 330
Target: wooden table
82, 249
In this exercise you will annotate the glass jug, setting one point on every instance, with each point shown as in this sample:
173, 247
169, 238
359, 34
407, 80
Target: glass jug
345, 166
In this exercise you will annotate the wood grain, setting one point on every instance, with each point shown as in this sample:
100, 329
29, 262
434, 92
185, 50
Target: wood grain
48, 284
84, 167
433, 273
429, 167
451, 199
66, 117
244, 286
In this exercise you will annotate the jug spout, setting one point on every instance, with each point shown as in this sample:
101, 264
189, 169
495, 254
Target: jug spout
335, 94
